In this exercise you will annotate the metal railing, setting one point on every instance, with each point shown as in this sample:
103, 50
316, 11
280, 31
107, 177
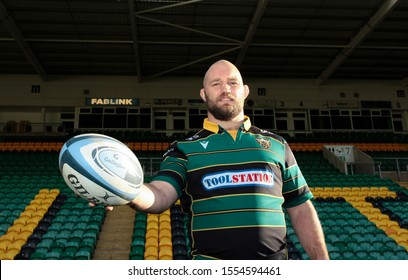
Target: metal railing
379, 166
398, 163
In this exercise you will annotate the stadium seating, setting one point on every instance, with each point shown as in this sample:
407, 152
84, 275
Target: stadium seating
363, 216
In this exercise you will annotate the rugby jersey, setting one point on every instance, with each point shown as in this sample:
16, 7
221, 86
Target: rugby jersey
234, 190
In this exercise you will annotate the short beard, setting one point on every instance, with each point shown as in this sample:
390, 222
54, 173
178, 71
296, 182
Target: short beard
224, 113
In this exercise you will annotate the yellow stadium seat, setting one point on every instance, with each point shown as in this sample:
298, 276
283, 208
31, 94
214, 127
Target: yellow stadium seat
152, 225
55, 191
20, 240
35, 219
151, 253
151, 242
165, 242
21, 220
15, 247
153, 217
165, 254
152, 232
28, 214
3, 247
32, 206
28, 229
165, 232
7, 238
164, 219
40, 212
9, 255
16, 228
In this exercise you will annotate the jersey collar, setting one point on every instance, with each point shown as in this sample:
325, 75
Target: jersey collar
213, 127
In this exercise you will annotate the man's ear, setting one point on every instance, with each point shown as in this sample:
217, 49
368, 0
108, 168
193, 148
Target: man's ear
202, 94
246, 91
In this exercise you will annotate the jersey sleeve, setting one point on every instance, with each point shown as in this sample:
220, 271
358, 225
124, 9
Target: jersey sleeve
295, 189
173, 168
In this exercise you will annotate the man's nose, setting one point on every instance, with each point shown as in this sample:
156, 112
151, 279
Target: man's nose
226, 87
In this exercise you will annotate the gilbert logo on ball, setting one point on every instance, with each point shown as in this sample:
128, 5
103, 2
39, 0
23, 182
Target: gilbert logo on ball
101, 169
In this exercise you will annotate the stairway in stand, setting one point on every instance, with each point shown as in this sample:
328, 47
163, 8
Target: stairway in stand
403, 184
116, 235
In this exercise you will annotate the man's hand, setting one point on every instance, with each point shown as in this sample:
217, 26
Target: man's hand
108, 208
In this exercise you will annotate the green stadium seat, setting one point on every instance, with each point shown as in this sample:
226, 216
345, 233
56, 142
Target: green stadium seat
348, 255
136, 253
68, 226
139, 232
335, 255
46, 244
401, 253
390, 255
63, 235
87, 243
67, 255
93, 228
77, 235
362, 255
90, 237
37, 255
340, 243
58, 245
53, 255
83, 255
84, 219
72, 246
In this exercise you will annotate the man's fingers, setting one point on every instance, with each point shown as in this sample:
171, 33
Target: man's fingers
108, 208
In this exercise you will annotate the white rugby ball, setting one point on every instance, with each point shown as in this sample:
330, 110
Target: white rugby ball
100, 169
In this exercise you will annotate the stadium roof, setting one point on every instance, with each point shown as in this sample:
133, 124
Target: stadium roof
314, 39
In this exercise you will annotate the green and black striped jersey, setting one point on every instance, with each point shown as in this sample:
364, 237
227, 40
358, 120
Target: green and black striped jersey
234, 190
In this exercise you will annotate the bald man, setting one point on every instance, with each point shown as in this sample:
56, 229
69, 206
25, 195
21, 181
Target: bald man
235, 181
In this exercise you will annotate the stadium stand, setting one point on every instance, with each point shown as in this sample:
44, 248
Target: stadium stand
363, 216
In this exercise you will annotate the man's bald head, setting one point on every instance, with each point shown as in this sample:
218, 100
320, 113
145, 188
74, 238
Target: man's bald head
221, 66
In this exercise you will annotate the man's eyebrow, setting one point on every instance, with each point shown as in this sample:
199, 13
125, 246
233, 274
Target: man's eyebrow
219, 79
214, 80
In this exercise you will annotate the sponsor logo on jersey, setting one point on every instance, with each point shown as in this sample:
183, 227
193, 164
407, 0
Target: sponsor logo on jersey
231, 179
263, 142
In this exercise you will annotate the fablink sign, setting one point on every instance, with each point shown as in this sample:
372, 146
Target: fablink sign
112, 101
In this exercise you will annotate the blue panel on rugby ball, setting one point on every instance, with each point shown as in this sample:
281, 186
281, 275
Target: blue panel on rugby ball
101, 169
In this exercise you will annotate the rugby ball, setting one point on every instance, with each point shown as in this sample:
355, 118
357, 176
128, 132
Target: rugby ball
100, 169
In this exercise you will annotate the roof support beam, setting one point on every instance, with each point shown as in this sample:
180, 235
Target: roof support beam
135, 38
169, 6
189, 29
260, 9
18, 37
235, 44
385, 8
208, 43
194, 62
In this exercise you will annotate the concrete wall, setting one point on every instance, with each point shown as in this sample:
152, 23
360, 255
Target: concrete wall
64, 93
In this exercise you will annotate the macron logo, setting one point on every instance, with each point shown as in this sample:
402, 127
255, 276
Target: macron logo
204, 144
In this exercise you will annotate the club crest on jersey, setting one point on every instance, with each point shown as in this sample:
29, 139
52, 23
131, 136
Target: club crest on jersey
263, 142
231, 179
